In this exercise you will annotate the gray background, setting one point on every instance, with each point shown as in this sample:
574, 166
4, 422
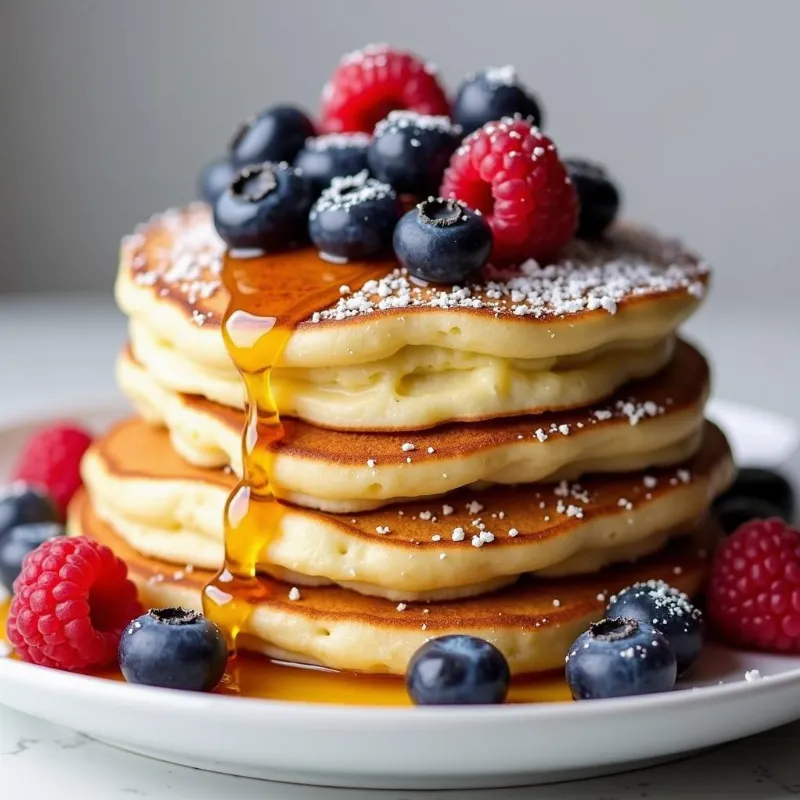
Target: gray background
109, 108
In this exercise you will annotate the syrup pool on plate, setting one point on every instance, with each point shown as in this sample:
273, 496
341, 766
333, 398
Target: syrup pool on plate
254, 676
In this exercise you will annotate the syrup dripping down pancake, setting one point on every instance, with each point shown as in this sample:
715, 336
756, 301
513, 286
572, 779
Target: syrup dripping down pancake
533, 622
172, 511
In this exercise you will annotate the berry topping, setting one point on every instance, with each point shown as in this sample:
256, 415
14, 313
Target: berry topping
215, 178
332, 155
354, 218
669, 611
71, 602
51, 461
21, 504
754, 587
410, 151
18, 542
175, 649
266, 208
733, 512
277, 134
511, 173
369, 83
491, 94
457, 670
765, 485
598, 197
620, 657
442, 241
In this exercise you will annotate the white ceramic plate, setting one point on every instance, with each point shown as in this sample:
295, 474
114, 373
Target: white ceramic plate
425, 747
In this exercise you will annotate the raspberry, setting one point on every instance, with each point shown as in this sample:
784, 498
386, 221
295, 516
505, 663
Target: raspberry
511, 172
754, 591
51, 460
368, 84
72, 600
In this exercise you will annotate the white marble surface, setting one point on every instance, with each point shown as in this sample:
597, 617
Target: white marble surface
59, 351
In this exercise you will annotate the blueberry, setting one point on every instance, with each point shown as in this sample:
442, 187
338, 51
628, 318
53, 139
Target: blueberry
21, 504
669, 611
173, 648
620, 657
443, 241
457, 670
333, 155
18, 542
354, 218
765, 485
215, 178
598, 196
266, 208
492, 94
732, 512
277, 134
410, 151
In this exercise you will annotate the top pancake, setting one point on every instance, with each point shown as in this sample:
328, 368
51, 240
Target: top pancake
632, 286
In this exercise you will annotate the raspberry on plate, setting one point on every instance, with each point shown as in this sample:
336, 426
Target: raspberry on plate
368, 84
754, 588
51, 460
510, 171
71, 602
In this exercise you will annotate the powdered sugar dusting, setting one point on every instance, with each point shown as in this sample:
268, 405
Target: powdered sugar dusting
337, 141
590, 277
349, 191
404, 118
501, 76
594, 277
190, 262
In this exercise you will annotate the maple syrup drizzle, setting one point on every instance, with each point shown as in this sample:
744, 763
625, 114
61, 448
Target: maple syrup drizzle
269, 296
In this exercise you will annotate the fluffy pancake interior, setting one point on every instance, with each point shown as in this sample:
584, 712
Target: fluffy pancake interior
417, 387
651, 423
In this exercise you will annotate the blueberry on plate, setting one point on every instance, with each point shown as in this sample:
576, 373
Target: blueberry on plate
277, 134
764, 485
18, 542
173, 648
457, 670
492, 94
21, 504
732, 512
620, 657
214, 179
354, 218
410, 151
266, 208
669, 611
443, 241
333, 155
598, 196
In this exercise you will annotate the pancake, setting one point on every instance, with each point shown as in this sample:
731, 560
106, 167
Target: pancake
171, 511
631, 288
533, 622
417, 387
653, 422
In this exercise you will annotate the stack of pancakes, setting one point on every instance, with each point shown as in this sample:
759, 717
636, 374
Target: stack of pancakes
490, 459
